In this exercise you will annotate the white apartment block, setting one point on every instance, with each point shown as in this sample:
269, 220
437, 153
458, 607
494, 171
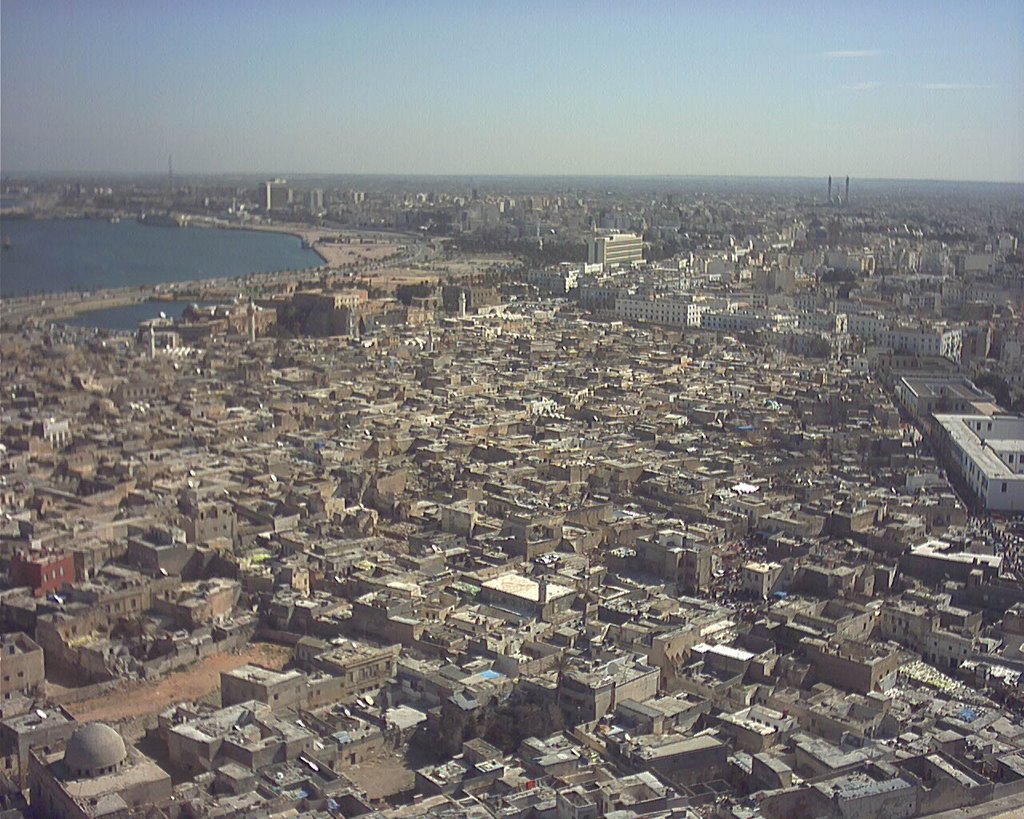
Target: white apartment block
559, 282
867, 326
988, 452
671, 312
950, 395
858, 262
945, 343
833, 323
733, 322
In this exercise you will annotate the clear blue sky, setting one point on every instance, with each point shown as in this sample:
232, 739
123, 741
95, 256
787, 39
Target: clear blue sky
900, 89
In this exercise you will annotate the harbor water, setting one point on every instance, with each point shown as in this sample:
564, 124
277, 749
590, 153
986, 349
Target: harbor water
56, 255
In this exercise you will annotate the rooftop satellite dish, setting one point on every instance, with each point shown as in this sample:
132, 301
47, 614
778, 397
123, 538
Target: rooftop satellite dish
40, 713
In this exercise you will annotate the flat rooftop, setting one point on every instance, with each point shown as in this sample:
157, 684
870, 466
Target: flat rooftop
39, 719
978, 448
955, 387
525, 588
17, 643
942, 551
724, 651
255, 673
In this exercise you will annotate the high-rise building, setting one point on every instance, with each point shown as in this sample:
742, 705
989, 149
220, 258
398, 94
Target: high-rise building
315, 200
615, 249
275, 194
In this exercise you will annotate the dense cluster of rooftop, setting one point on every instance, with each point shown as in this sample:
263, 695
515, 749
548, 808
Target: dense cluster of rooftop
723, 535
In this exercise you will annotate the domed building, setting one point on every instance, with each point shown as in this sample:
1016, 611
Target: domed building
97, 774
95, 749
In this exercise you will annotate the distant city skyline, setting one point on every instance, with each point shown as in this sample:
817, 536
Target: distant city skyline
917, 90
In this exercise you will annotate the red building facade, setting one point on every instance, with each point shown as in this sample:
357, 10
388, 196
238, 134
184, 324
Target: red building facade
44, 573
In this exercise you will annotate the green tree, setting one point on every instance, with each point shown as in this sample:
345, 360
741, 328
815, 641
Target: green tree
997, 386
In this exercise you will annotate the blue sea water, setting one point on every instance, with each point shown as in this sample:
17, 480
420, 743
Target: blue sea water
128, 316
88, 254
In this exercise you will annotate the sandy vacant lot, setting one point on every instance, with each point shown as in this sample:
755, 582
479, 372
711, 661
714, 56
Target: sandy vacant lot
355, 249
338, 255
391, 277
136, 698
385, 776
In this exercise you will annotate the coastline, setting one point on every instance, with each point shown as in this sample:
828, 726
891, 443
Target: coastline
296, 231
332, 254
329, 253
60, 305
307, 235
64, 305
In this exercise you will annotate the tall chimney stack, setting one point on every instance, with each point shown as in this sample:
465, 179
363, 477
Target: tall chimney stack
830, 190
846, 199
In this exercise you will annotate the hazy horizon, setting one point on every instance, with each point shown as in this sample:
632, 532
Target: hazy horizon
924, 91
477, 179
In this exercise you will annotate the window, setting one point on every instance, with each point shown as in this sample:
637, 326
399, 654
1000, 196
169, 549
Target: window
1004, 487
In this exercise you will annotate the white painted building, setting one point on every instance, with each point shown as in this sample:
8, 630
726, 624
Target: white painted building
826, 322
559, 281
672, 312
937, 342
947, 394
988, 452
867, 326
615, 249
733, 322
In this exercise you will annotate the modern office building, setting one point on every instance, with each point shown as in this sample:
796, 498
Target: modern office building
315, 200
611, 250
275, 194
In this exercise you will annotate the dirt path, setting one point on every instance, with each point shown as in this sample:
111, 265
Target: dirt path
136, 699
